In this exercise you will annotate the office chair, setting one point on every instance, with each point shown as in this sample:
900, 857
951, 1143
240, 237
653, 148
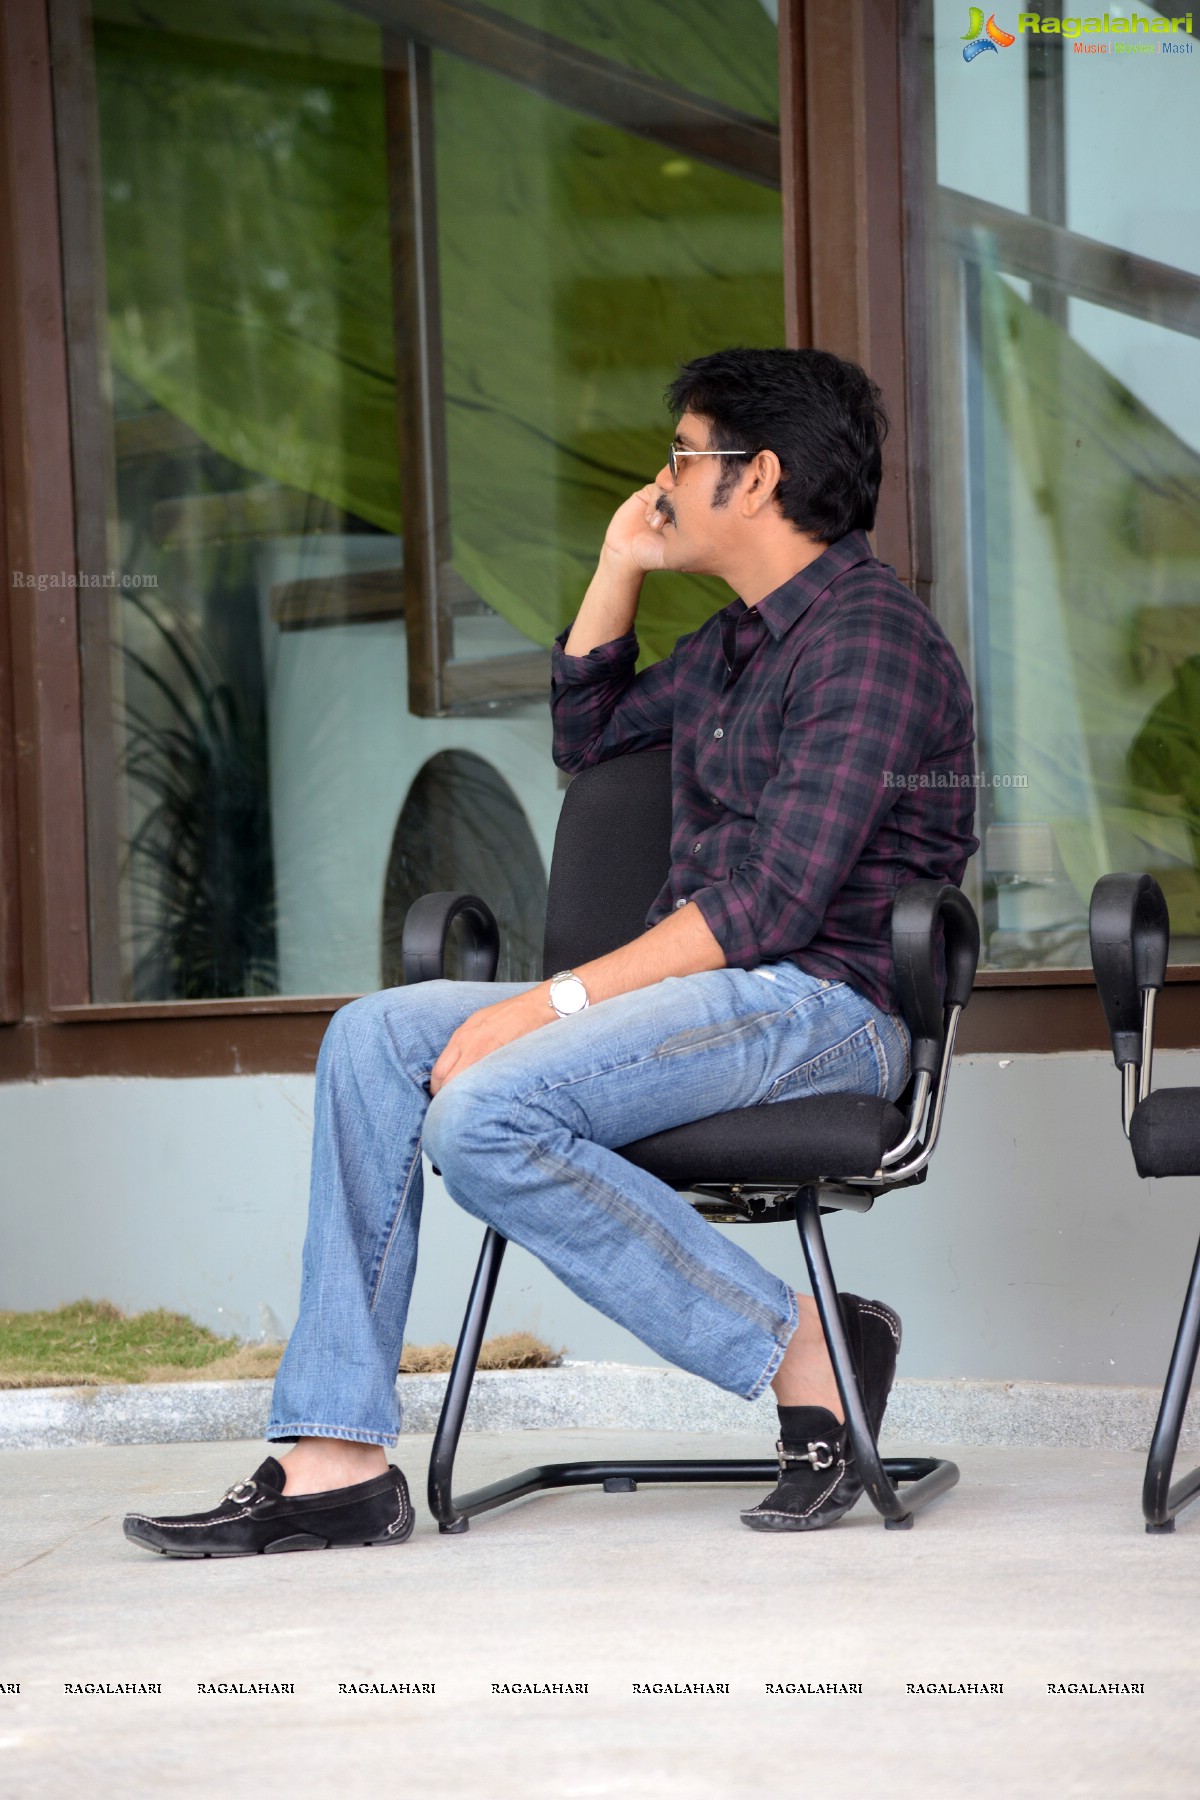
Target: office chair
1130, 936
790, 1160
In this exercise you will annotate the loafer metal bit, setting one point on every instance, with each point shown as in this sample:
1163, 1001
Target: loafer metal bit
255, 1518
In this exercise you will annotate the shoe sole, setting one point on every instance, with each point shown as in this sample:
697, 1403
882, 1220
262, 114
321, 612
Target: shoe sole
301, 1540
793, 1521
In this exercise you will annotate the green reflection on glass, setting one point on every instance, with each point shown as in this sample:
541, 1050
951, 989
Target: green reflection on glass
723, 49
250, 290
579, 265
1091, 506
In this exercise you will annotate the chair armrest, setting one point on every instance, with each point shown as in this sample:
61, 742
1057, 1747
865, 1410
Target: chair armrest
1130, 933
427, 926
916, 913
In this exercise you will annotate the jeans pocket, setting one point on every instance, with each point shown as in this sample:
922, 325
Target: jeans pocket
903, 1055
856, 1065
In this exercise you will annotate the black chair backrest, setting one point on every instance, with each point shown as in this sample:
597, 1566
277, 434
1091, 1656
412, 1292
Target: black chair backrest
612, 853
1130, 935
935, 951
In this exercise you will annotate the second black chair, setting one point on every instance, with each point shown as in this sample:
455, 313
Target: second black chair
1130, 936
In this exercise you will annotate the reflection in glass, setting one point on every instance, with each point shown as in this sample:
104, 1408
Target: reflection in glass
233, 299
1074, 539
579, 265
724, 52
462, 827
200, 874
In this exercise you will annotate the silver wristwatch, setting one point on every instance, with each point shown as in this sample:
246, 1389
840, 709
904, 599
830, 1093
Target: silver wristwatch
567, 993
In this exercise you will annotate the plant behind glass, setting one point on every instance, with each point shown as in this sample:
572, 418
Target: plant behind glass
200, 860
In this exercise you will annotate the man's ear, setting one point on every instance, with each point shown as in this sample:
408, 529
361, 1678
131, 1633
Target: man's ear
759, 491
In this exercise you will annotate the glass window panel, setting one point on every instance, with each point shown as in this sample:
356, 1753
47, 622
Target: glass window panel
722, 49
1069, 509
262, 803
982, 139
579, 264
1160, 368
1128, 120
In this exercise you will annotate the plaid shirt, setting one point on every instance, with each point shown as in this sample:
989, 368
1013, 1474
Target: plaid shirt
821, 755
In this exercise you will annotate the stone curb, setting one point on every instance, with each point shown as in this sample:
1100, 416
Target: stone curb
599, 1396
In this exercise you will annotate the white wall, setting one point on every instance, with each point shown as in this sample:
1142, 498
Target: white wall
1032, 1251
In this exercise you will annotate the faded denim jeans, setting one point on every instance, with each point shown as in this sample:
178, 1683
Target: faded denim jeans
524, 1140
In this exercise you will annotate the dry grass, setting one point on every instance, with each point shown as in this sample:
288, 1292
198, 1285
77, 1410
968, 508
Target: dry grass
512, 1350
248, 1362
92, 1343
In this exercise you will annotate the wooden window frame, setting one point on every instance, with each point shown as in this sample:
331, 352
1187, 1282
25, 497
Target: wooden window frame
853, 81
44, 801
10, 907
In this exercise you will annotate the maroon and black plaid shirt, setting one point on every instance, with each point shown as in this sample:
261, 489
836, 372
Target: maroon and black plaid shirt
821, 756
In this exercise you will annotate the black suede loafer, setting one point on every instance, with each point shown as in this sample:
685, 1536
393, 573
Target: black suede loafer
256, 1517
818, 1477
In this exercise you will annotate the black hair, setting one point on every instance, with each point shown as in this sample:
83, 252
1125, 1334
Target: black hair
822, 416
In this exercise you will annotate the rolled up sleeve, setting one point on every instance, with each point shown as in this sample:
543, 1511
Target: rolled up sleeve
857, 711
600, 708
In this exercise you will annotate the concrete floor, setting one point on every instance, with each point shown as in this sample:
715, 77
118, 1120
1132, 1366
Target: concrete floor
1034, 1570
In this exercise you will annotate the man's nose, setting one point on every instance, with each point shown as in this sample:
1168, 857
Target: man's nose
664, 479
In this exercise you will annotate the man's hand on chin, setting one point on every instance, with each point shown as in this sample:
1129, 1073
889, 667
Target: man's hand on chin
489, 1029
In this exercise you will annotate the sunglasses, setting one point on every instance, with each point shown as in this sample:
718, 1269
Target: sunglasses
673, 455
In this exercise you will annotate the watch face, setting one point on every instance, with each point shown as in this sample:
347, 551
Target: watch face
568, 994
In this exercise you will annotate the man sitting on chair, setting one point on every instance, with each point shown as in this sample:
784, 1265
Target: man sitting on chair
821, 736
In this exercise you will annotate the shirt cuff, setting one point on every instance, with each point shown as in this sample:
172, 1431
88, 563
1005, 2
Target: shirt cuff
728, 918
616, 658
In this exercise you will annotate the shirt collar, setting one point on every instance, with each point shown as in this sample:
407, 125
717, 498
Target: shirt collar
780, 609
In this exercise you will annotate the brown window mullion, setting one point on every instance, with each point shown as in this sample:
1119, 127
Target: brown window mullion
94, 477
862, 300
10, 911
36, 448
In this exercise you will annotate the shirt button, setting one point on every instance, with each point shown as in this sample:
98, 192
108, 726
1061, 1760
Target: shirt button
697, 846
680, 903
718, 732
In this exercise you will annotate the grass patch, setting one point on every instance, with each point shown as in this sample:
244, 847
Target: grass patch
92, 1343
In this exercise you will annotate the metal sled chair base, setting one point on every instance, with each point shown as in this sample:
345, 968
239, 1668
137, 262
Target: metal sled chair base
1161, 1501
924, 1477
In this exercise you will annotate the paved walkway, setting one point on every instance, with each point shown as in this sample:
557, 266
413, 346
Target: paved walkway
1034, 1570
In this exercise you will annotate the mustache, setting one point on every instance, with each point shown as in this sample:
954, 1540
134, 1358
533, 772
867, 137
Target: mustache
663, 505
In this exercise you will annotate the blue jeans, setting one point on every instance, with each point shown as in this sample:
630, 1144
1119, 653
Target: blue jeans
524, 1140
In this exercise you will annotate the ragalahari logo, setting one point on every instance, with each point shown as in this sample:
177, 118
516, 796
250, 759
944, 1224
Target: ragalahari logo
975, 42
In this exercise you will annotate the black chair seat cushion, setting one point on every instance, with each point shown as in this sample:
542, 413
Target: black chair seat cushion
788, 1143
1164, 1132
